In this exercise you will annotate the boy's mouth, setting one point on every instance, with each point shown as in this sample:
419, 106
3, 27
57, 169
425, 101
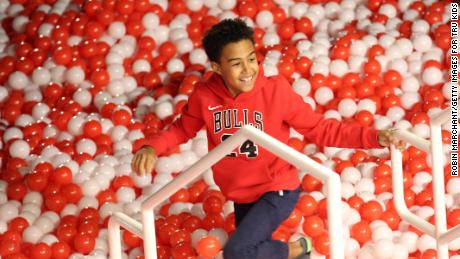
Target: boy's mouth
246, 79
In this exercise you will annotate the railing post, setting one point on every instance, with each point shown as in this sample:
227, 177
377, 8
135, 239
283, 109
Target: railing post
398, 195
114, 238
148, 230
439, 230
437, 156
334, 205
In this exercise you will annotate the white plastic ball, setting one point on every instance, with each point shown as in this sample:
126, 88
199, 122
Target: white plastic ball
33, 197
382, 249
184, 45
395, 113
150, 20
44, 224
271, 39
41, 76
70, 209
88, 202
125, 195
90, 188
40, 111
163, 109
409, 99
19, 149
365, 185
319, 68
75, 125
264, 19
160, 34
426, 242
381, 232
129, 84
453, 186
198, 56
298, 9
220, 234
422, 130
432, 76
18, 80
422, 42
410, 84
409, 240
323, 95
117, 30
82, 97
12, 133
194, 5
111, 59
420, 26
352, 247
175, 65
347, 108
197, 235
8, 212
115, 88
141, 65
350, 175
399, 252
75, 75
388, 10
338, 67
302, 87
347, 190
49, 239
32, 234
177, 34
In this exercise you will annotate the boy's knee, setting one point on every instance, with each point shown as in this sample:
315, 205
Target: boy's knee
233, 250
230, 250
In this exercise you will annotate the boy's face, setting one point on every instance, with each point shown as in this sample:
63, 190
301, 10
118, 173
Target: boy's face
238, 66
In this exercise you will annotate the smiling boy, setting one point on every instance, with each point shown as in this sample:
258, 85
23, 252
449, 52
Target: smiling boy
264, 187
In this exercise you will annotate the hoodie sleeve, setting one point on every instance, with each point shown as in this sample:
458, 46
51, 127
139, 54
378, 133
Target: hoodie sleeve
184, 128
321, 131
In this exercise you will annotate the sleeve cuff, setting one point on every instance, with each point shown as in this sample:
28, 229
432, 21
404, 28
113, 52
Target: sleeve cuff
372, 139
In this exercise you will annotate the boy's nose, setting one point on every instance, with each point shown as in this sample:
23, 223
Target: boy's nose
245, 67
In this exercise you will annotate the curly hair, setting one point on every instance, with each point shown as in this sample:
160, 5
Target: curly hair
225, 32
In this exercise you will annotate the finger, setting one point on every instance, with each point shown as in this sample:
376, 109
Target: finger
149, 164
402, 144
138, 164
134, 164
142, 165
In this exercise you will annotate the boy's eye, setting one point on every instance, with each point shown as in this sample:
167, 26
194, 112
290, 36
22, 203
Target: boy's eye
236, 64
252, 59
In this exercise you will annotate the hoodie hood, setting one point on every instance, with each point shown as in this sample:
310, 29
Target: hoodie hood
217, 86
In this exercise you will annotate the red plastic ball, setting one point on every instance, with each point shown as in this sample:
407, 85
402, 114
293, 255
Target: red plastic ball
84, 243
371, 210
41, 251
361, 232
321, 243
313, 226
208, 247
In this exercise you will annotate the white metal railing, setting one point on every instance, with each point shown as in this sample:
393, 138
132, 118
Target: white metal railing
434, 146
146, 229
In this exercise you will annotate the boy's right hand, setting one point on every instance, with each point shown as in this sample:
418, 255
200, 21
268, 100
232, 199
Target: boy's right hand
144, 161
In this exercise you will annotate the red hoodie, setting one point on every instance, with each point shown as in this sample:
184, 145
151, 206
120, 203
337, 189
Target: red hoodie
271, 106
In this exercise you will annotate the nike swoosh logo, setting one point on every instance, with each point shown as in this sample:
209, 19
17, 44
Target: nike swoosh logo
212, 108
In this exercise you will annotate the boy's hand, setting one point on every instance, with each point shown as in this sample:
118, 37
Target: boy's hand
144, 161
388, 137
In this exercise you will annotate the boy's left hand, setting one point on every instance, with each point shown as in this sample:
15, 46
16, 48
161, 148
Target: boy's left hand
388, 137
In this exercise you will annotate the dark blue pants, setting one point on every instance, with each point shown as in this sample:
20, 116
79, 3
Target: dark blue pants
255, 223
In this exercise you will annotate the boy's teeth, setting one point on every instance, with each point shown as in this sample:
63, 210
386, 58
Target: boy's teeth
246, 79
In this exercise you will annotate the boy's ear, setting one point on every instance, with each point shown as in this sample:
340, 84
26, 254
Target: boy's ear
216, 68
